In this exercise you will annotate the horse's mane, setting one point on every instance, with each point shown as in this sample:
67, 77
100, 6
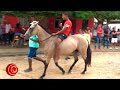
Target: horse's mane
47, 34
45, 29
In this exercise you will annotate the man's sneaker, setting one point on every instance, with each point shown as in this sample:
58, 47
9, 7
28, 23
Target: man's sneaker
110, 48
28, 70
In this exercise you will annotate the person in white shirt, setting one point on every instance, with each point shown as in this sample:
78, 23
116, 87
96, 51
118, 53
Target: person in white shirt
7, 30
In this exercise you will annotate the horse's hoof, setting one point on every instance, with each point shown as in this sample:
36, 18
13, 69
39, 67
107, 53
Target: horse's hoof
63, 72
83, 72
69, 72
41, 77
89, 66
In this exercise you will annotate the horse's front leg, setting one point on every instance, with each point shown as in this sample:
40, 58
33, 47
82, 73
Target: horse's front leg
46, 66
56, 63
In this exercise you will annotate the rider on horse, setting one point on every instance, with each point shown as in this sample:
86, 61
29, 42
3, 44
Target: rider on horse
62, 34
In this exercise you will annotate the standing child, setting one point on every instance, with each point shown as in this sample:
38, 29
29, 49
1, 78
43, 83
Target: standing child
33, 46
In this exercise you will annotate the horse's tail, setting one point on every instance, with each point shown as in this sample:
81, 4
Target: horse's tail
89, 54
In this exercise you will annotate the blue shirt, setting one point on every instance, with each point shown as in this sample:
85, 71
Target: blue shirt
32, 43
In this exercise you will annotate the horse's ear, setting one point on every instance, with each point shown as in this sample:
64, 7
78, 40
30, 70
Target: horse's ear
37, 22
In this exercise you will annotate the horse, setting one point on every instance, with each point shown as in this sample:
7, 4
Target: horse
72, 44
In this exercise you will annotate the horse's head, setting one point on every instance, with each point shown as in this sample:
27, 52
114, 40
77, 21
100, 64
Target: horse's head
32, 30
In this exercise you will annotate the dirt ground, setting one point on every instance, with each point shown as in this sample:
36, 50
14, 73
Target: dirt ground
105, 65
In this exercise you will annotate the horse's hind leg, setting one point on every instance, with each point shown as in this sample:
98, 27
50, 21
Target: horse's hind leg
56, 63
75, 61
85, 69
84, 56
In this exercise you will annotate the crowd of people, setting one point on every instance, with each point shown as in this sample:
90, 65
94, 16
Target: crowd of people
106, 36
8, 34
109, 38
102, 36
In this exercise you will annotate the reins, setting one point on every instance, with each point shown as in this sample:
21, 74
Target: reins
46, 38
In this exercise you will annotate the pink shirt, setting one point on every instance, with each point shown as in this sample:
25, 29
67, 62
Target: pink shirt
99, 30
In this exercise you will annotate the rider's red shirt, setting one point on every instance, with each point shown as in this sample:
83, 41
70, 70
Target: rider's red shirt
68, 24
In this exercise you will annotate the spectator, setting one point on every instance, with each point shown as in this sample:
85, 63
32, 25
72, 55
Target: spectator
106, 36
90, 33
79, 31
114, 38
7, 32
118, 36
99, 35
110, 36
1, 35
11, 34
18, 29
95, 37
87, 36
3, 31
18, 32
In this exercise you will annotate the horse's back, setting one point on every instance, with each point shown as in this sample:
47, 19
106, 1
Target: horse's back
71, 43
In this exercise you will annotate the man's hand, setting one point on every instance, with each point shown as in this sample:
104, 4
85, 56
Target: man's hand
31, 39
34, 40
53, 34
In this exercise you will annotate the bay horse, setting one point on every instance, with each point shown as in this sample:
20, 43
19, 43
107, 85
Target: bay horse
72, 44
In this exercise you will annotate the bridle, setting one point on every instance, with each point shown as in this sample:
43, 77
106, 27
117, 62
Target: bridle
41, 40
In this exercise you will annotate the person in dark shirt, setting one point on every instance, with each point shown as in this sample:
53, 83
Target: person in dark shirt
18, 34
114, 38
118, 36
106, 36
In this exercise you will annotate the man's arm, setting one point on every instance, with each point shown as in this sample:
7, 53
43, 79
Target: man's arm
99, 32
61, 31
35, 40
113, 33
105, 34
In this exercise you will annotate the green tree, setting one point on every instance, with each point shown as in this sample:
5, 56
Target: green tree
101, 15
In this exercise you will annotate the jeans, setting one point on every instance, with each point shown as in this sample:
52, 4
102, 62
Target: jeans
7, 38
20, 42
99, 41
1, 38
95, 41
17, 34
106, 41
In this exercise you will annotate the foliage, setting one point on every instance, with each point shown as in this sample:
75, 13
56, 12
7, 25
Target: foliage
101, 15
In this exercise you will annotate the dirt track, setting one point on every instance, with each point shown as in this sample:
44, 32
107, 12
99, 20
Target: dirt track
105, 65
